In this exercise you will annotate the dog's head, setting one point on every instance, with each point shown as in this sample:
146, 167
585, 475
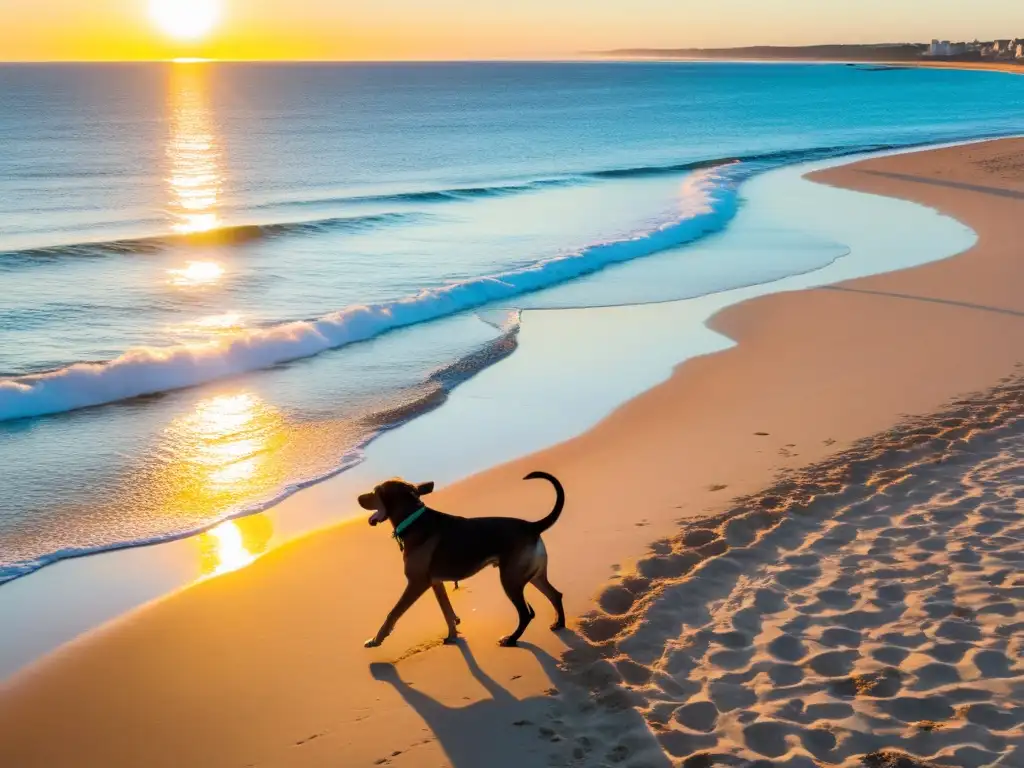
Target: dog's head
394, 500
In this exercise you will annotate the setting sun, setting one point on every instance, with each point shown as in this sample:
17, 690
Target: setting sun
185, 19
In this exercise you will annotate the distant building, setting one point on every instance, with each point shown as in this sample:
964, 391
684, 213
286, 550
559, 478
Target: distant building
995, 49
941, 48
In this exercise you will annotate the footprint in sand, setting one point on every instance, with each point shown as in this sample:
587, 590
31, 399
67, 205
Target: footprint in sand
873, 617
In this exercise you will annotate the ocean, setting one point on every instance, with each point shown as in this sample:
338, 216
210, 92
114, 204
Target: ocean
218, 282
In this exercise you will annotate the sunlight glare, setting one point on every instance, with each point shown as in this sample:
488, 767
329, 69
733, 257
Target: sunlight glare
229, 321
185, 19
226, 444
227, 550
194, 173
197, 273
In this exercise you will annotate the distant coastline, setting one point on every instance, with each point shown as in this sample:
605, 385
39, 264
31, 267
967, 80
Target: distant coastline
891, 55
902, 52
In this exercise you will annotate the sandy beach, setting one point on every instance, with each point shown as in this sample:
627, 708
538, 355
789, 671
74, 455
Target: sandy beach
1012, 67
835, 511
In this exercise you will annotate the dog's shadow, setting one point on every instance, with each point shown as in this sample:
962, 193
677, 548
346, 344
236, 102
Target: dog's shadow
495, 732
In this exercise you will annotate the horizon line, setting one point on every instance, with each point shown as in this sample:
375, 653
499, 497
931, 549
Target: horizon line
568, 57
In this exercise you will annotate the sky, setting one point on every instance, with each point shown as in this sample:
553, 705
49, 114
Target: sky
81, 30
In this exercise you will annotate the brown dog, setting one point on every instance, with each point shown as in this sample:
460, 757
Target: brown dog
439, 548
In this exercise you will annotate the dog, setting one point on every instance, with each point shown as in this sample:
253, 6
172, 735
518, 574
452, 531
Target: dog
438, 547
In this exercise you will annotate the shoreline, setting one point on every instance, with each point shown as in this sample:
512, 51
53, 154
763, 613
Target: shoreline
678, 441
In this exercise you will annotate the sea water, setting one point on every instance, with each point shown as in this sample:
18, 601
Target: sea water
218, 282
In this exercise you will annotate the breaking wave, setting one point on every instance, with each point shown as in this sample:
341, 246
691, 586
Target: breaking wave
711, 202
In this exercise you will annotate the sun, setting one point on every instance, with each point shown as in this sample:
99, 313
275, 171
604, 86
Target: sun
185, 19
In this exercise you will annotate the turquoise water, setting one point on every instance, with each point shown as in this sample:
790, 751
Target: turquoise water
219, 281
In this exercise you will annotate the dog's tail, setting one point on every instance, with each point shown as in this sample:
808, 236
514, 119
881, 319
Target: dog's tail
542, 525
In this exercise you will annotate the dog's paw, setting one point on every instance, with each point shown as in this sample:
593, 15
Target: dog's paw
558, 626
457, 621
507, 642
373, 642
451, 640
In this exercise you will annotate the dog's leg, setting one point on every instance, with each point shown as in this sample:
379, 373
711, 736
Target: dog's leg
514, 585
540, 581
413, 592
449, 613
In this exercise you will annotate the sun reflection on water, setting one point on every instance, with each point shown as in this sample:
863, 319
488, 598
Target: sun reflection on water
208, 328
225, 448
224, 454
230, 548
229, 321
197, 273
228, 435
233, 544
193, 150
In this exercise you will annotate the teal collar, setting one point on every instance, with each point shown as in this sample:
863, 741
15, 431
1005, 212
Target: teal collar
403, 526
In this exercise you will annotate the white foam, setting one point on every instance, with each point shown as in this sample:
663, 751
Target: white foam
709, 203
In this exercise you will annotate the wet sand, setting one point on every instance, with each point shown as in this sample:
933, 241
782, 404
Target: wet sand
676, 658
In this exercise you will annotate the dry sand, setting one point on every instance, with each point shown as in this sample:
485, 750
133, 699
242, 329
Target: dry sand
870, 601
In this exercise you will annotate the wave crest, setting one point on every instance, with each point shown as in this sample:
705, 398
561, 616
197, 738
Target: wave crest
229, 235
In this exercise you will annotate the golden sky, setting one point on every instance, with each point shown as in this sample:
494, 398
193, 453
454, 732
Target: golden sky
478, 29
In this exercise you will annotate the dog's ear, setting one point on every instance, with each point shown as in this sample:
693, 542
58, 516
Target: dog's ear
368, 501
424, 488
